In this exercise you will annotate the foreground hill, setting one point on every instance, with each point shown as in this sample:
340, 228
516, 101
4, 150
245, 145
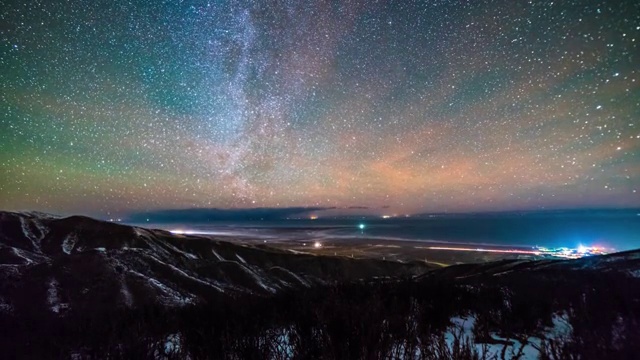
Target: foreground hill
78, 261
82, 288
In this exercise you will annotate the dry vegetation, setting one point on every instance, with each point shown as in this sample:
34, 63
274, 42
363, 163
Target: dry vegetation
363, 320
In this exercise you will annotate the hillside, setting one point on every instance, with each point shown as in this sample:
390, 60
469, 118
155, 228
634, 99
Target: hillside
82, 288
83, 261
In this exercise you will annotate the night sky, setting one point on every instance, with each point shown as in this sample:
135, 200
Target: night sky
109, 107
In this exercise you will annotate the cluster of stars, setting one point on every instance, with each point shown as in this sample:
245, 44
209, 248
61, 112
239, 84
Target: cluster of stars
419, 106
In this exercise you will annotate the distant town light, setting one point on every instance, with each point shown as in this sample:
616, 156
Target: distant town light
317, 244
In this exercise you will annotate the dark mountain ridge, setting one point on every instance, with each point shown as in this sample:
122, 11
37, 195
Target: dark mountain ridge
85, 288
87, 259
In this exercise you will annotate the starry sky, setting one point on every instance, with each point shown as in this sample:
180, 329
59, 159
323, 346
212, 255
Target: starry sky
109, 106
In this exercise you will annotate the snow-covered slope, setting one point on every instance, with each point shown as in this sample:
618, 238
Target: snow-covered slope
64, 263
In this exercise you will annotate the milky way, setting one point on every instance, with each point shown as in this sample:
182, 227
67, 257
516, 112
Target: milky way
112, 106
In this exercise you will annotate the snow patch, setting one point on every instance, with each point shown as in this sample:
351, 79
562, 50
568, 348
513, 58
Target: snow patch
172, 344
296, 251
186, 254
69, 242
175, 297
619, 330
561, 326
153, 243
126, 295
10, 269
462, 328
53, 298
528, 350
284, 344
194, 278
23, 255
635, 273
140, 232
5, 307
172, 293
183, 273
190, 255
41, 228
296, 276
241, 259
217, 255
29, 233
512, 348
258, 279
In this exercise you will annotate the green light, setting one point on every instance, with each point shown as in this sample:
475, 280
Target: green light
361, 226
